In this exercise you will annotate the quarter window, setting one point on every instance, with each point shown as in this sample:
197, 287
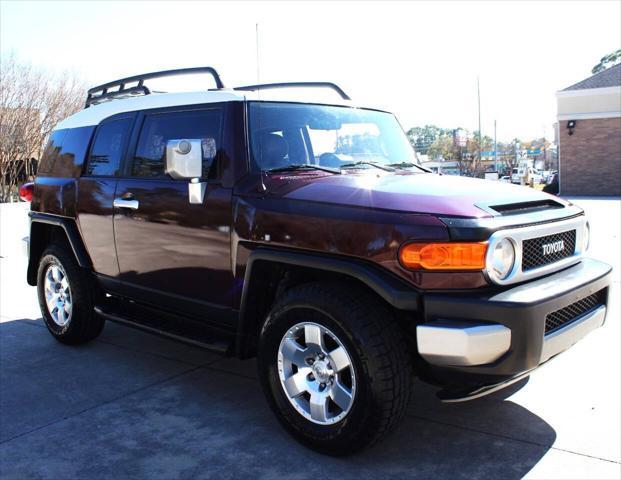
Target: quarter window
158, 128
105, 156
52, 150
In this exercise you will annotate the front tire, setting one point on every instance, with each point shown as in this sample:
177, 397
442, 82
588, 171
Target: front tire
334, 366
65, 293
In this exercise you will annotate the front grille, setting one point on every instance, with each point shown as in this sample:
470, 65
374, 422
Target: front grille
534, 255
568, 314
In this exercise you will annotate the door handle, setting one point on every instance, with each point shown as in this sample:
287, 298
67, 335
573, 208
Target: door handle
123, 203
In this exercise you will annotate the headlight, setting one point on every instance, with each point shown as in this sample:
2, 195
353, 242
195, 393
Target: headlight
502, 259
586, 237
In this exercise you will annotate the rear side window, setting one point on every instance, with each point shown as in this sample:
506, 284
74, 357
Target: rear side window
158, 128
71, 157
52, 151
107, 151
64, 154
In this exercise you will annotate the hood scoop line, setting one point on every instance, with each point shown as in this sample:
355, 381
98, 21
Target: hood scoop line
525, 207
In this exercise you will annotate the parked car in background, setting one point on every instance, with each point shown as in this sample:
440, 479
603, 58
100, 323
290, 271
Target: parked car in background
548, 176
526, 176
515, 175
552, 185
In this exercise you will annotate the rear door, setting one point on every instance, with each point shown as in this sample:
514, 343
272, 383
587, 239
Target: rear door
173, 254
96, 190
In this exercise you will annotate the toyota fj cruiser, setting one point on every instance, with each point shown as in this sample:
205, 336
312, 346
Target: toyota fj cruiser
307, 235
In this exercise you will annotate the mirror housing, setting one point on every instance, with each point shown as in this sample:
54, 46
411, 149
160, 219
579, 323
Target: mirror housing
184, 158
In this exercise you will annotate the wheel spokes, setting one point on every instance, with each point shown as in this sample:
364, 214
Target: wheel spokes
313, 336
319, 407
52, 301
340, 395
56, 274
57, 295
293, 352
339, 359
295, 385
315, 380
61, 315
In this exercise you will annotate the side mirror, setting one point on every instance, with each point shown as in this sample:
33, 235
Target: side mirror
184, 159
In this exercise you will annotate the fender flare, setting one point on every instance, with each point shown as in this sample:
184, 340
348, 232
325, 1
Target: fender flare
73, 237
388, 286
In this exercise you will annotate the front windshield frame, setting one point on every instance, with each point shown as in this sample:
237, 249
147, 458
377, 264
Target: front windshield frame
408, 153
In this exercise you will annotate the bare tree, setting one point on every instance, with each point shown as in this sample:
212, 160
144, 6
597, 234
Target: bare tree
32, 102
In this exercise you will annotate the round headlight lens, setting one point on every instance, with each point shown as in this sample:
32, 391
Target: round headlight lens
503, 258
586, 237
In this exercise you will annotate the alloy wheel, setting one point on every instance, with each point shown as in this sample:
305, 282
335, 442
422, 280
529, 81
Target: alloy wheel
316, 373
58, 295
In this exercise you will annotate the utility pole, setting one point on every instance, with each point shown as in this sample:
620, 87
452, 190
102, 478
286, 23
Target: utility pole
495, 149
479, 103
543, 147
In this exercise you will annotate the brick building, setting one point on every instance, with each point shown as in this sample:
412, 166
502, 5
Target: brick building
589, 135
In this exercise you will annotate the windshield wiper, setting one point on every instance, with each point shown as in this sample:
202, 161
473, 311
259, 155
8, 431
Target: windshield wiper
373, 164
303, 166
408, 165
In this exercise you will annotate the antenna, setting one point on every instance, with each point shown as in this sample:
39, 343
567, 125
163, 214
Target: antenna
263, 187
257, 47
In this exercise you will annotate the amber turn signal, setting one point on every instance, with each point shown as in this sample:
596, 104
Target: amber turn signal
444, 256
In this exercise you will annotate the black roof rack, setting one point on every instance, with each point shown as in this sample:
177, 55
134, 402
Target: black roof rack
266, 86
101, 92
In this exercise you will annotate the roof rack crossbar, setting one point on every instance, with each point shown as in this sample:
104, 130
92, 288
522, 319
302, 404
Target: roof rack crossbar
266, 86
101, 92
121, 93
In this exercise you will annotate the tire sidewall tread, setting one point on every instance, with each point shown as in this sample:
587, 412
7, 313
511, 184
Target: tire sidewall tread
379, 354
84, 324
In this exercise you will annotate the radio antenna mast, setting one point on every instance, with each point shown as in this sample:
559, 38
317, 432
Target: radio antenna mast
263, 187
257, 46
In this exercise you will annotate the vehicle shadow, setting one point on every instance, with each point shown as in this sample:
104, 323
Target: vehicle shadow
207, 417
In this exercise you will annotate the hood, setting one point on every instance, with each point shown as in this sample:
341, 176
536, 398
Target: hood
442, 195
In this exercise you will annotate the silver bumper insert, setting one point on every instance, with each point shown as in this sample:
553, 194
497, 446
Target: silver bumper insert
442, 343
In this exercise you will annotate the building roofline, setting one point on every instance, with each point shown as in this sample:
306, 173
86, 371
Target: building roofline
610, 71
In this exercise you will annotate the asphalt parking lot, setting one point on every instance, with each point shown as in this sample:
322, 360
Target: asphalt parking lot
134, 405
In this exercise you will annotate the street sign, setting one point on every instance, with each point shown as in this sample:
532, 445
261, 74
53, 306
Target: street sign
491, 154
534, 151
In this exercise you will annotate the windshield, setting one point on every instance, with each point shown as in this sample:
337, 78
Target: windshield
285, 135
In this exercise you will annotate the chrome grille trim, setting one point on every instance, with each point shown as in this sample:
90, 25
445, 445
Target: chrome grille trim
521, 234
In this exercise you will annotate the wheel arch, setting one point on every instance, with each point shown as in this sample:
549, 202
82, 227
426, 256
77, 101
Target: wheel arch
269, 272
46, 229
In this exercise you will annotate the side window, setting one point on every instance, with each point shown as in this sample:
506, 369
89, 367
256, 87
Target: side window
107, 151
158, 128
71, 157
51, 152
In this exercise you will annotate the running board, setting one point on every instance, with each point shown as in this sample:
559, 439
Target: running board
454, 396
206, 342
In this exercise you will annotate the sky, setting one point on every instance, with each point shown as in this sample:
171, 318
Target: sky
420, 60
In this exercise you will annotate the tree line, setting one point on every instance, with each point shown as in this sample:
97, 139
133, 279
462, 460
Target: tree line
32, 101
440, 144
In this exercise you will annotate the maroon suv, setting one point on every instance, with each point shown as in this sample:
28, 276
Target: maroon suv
308, 235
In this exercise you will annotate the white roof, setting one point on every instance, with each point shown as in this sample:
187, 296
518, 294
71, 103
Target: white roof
96, 113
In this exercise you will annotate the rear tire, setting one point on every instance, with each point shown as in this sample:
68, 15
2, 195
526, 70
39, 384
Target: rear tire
66, 294
380, 381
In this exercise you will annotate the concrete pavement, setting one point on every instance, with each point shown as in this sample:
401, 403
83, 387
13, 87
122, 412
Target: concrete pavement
134, 405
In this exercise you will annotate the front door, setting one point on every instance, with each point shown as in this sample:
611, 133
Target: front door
173, 254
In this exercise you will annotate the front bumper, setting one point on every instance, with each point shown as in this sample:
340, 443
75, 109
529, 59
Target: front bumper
473, 341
